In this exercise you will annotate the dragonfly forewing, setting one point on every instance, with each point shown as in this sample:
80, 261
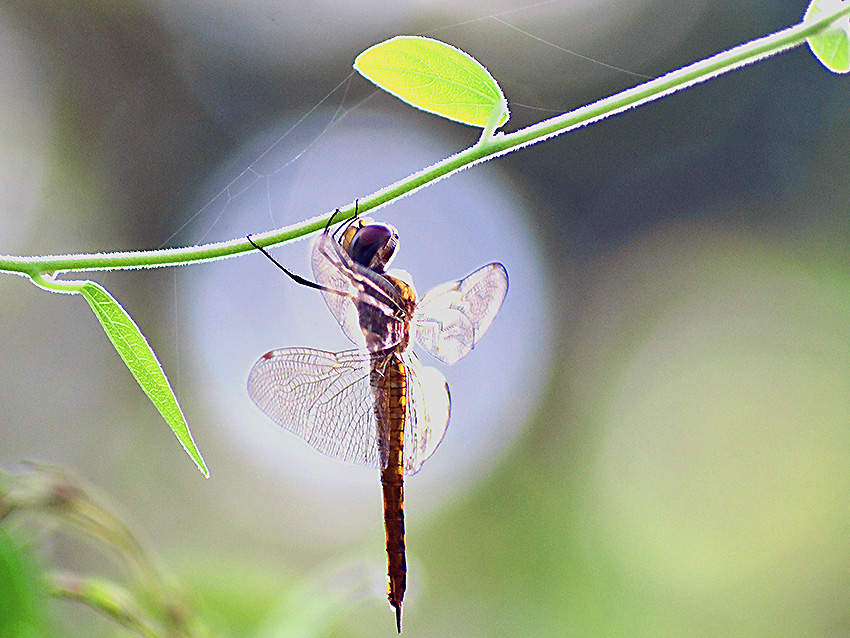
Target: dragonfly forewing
452, 317
359, 288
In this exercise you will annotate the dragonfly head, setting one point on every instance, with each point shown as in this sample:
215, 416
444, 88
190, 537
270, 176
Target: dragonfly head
371, 245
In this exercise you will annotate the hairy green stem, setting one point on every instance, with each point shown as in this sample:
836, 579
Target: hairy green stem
485, 149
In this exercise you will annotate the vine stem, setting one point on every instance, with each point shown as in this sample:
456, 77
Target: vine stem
48, 282
485, 149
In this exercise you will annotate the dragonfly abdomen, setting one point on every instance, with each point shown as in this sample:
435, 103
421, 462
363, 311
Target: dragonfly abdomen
391, 410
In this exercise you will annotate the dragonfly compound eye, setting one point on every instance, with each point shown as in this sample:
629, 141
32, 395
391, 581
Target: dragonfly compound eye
373, 246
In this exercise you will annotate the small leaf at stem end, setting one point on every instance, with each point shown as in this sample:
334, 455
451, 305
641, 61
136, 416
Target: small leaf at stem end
435, 77
140, 359
832, 45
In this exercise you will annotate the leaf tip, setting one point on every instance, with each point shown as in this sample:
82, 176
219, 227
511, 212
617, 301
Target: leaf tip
142, 362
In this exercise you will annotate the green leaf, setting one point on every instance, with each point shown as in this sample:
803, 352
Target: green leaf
142, 362
435, 77
832, 45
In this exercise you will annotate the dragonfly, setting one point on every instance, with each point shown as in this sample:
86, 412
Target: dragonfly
376, 405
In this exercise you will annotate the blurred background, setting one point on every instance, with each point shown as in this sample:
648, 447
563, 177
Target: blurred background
654, 437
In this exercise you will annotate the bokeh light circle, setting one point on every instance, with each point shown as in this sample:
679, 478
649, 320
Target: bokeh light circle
245, 307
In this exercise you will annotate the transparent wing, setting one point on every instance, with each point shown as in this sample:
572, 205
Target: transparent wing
324, 398
451, 318
428, 407
334, 269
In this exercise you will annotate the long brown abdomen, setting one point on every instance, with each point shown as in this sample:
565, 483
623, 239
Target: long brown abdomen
393, 380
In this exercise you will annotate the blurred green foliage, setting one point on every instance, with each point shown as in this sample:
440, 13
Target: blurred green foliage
22, 596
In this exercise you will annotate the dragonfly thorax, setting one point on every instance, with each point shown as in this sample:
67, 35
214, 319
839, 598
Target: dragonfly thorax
382, 332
